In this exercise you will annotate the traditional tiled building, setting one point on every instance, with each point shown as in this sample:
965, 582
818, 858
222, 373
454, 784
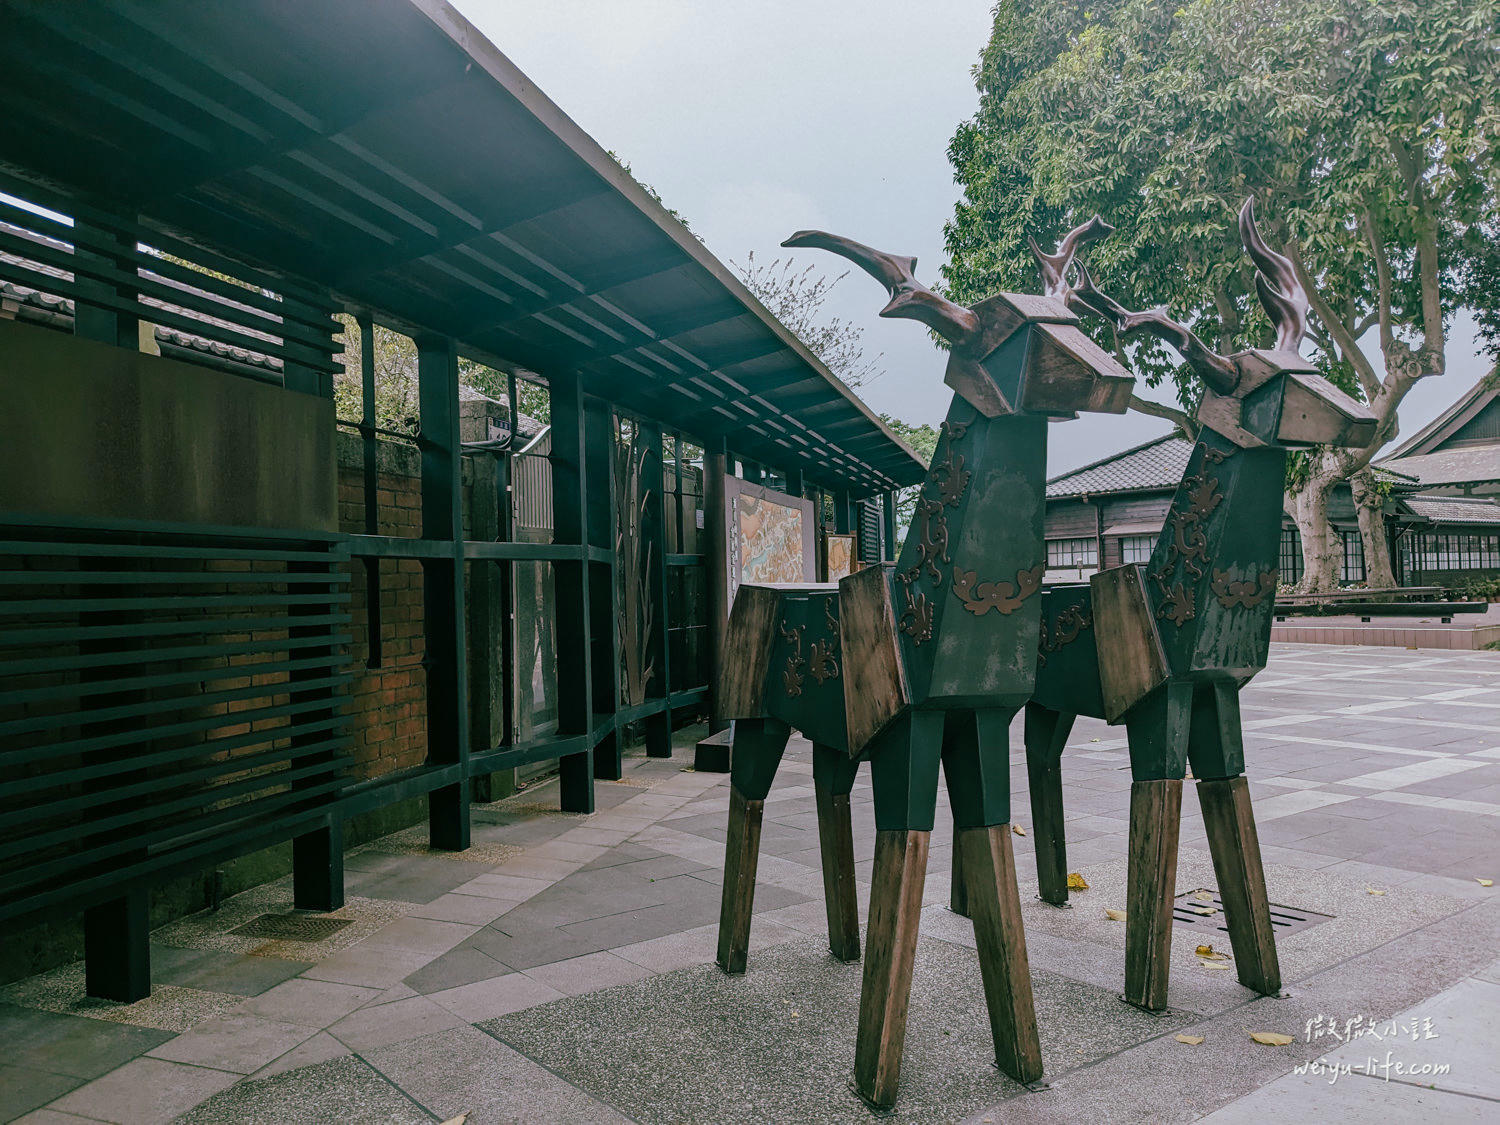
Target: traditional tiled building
1442, 515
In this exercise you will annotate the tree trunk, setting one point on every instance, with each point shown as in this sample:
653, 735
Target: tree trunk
1321, 548
1369, 506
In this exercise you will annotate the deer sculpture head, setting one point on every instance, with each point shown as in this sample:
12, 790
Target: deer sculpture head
1012, 353
1257, 397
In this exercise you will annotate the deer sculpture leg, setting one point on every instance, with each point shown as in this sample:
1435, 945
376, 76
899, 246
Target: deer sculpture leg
756, 753
1218, 759
833, 780
1158, 730
976, 765
904, 772
1046, 735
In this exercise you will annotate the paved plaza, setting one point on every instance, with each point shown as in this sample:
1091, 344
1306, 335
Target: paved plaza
562, 970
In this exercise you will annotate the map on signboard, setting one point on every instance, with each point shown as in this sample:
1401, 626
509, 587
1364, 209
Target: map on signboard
840, 556
771, 540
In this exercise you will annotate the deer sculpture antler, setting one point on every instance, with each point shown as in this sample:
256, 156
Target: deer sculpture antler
1084, 296
909, 297
1281, 294
1054, 266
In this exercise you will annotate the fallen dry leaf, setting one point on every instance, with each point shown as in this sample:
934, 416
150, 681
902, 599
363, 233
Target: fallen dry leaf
1205, 911
1485, 882
1203, 896
1209, 952
1018, 830
1077, 882
459, 1120
1114, 915
1373, 891
1272, 1038
1190, 1040
1214, 964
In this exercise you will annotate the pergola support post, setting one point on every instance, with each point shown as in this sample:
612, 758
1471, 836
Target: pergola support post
117, 948
443, 589
318, 868
488, 625
888, 512
716, 537
601, 529
574, 668
653, 533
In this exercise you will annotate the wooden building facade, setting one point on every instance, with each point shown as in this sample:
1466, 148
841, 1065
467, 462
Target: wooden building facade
1111, 511
209, 630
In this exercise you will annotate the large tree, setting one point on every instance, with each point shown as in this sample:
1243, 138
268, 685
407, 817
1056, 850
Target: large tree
1369, 134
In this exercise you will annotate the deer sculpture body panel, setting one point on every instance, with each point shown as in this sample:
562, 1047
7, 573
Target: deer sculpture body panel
1165, 647
918, 665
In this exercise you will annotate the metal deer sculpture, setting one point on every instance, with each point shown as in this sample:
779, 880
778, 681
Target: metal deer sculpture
1165, 647
919, 664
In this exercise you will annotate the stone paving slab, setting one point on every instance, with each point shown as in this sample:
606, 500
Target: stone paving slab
1370, 769
466, 1071
776, 1044
343, 1089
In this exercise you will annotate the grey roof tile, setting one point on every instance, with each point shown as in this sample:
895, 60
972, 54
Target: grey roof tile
1455, 509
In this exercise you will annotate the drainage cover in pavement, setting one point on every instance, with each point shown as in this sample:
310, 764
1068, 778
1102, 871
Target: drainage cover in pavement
291, 927
1284, 919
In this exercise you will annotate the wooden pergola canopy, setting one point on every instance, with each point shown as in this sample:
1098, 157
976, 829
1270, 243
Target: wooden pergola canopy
385, 151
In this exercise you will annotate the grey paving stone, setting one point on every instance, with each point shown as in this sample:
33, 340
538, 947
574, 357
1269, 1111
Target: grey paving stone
320, 1048
369, 1028
23, 1088
215, 970
71, 1045
524, 946
343, 1089
467, 1071
1458, 1029
419, 935
50, 1117
371, 968
311, 1003
411, 885
498, 996
459, 966
145, 1092
238, 1041
589, 973
1352, 1098
777, 1044
471, 910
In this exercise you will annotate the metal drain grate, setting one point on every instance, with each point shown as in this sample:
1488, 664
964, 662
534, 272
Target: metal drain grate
1284, 919
291, 927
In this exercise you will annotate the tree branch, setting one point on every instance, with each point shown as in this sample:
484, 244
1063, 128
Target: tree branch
1383, 280
1347, 342
1184, 422
1428, 265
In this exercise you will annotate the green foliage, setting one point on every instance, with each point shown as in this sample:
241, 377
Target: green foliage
396, 400
1366, 131
923, 440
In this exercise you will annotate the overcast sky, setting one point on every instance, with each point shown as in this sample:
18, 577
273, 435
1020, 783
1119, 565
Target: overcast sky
758, 118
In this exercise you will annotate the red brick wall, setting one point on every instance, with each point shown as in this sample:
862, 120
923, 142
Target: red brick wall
388, 704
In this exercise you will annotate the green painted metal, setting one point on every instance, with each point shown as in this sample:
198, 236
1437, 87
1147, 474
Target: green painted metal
758, 747
904, 771
976, 766
804, 681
